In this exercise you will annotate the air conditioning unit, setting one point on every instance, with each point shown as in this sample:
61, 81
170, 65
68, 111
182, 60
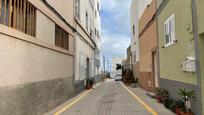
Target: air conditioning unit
189, 65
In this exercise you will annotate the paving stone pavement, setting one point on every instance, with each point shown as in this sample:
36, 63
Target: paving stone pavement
110, 98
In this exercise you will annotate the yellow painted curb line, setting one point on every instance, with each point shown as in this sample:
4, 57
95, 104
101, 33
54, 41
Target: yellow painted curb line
74, 101
140, 101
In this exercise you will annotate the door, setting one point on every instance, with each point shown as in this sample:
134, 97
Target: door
86, 73
87, 68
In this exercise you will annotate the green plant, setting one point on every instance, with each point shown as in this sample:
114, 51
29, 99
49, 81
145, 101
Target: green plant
164, 94
159, 94
168, 103
172, 107
186, 95
180, 104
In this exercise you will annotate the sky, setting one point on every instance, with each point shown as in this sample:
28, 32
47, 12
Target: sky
115, 21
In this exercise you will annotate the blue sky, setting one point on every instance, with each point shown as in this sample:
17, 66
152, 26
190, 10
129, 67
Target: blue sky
115, 23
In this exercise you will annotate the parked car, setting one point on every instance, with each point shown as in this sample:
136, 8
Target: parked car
118, 78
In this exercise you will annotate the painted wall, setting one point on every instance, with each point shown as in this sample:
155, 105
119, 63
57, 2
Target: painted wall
65, 8
85, 43
114, 61
142, 5
37, 75
83, 51
85, 6
134, 19
202, 66
147, 45
159, 3
45, 29
23, 62
171, 57
33, 76
200, 9
136, 10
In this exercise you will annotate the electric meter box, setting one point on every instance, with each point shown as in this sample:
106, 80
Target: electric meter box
189, 65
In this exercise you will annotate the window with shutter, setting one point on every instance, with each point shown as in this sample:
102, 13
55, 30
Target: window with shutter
18, 14
61, 38
169, 27
78, 9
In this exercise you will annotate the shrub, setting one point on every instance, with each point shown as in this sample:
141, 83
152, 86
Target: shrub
172, 107
168, 103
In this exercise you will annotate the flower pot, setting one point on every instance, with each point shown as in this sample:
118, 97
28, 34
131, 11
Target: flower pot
189, 113
159, 99
87, 87
178, 111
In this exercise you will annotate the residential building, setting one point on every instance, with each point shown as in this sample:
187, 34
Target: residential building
87, 45
37, 55
114, 62
136, 11
180, 38
129, 58
199, 5
148, 77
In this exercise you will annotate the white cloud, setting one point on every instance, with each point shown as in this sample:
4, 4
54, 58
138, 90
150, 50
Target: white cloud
115, 27
115, 45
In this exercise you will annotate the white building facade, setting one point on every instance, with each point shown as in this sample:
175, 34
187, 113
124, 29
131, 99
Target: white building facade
114, 62
87, 45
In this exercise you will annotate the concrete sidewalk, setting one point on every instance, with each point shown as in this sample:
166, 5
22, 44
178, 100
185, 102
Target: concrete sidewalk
158, 107
111, 98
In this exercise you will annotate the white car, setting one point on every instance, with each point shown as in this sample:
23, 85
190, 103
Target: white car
118, 78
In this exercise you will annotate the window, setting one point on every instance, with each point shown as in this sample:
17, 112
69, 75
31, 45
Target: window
169, 27
97, 33
18, 14
133, 29
78, 9
98, 7
61, 37
87, 21
134, 57
95, 14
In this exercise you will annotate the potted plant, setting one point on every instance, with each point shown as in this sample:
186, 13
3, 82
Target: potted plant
172, 106
179, 105
158, 95
186, 97
165, 95
168, 103
89, 84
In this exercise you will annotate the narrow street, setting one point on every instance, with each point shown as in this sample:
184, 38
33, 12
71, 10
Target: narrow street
112, 98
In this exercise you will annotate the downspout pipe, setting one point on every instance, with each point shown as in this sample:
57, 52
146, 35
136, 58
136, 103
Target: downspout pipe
196, 41
197, 49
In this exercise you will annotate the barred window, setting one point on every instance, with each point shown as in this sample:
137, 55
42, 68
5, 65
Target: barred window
61, 37
18, 14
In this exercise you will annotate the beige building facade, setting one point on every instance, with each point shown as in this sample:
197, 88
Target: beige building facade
148, 78
37, 55
136, 11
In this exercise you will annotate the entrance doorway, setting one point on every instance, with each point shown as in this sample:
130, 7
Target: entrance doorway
87, 68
